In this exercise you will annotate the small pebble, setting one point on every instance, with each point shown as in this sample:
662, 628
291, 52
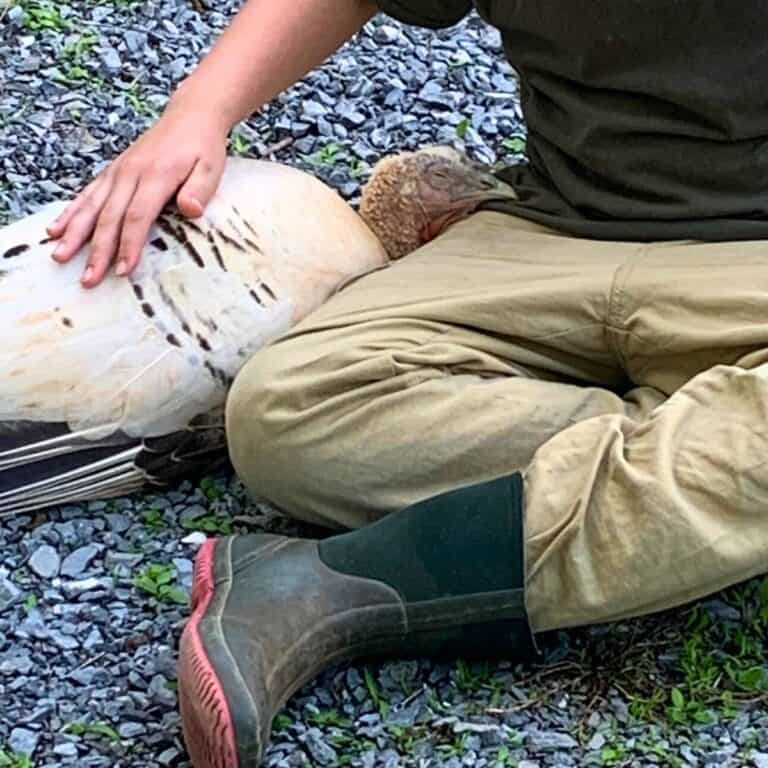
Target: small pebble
45, 562
24, 741
77, 562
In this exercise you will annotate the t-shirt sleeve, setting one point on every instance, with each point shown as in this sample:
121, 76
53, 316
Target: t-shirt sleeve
435, 14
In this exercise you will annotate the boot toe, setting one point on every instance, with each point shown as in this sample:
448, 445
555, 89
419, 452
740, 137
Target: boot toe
205, 711
267, 616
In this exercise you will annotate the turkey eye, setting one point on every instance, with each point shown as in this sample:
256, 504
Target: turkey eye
440, 180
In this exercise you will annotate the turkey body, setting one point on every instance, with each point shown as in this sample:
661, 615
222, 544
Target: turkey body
108, 390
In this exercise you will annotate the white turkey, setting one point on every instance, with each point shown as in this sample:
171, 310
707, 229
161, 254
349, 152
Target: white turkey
110, 390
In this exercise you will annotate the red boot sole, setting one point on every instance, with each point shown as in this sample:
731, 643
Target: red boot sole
206, 720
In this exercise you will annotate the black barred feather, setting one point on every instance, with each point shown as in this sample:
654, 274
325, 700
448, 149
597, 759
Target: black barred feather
40, 462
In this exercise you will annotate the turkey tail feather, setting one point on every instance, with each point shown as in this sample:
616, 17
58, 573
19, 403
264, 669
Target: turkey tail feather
44, 465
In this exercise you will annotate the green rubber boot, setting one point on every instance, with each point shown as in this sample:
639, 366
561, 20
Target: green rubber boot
443, 577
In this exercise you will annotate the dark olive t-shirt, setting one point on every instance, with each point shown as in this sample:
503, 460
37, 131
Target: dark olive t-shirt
647, 119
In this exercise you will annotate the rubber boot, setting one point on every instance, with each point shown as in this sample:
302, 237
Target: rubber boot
444, 577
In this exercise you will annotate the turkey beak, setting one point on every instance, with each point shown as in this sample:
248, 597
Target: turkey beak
480, 186
464, 196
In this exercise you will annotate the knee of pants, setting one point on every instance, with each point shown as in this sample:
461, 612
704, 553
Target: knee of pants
269, 438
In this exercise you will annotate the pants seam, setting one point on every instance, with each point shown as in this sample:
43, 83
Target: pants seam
614, 316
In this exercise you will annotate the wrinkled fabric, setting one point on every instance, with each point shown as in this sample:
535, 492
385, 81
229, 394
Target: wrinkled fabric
647, 119
628, 382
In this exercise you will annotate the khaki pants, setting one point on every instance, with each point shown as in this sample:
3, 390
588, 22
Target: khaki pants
627, 381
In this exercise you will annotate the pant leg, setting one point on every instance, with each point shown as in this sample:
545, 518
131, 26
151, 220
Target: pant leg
632, 505
452, 366
629, 515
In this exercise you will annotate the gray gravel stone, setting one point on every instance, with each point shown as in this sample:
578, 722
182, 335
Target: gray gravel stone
596, 742
196, 538
168, 756
550, 741
99, 585
134, 40
45, 562
130, 730
720, 610
24, 741
318, 748
65, 750
118, 522
110, 58
476, 727
79, 560
16, 662
386, 34
9, 593
389, 759
122, 559
65, 642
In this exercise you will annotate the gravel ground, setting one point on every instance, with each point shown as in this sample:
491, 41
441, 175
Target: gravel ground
93, 597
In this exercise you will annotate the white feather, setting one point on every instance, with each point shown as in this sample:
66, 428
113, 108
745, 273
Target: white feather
94, 358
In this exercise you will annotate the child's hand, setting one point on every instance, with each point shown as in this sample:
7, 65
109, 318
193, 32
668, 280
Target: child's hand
183, 154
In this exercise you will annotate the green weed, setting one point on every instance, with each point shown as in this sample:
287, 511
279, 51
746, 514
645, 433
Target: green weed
455, 748
405, 738
515, 145
462, 127
238, 144
613, 754
358, 168
30, 602
329, 717
472, 678
373, 689
720, 667
40, 16
97, 730
153, 518
326, 156
14, 760
138, 101
159, 581
282, 722
210, 489
74, 62
209, 524
504, 758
